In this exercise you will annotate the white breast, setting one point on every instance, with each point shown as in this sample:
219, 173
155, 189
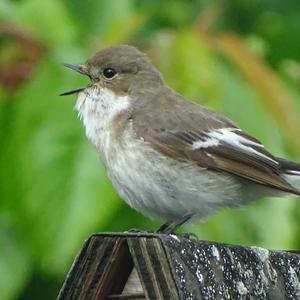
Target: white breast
97, 108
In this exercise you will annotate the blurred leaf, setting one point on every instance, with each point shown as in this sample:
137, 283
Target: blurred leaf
106, 21
49, 21
274, 223
268, 223
280, 30
242, 104
265, 82
7, 9
88, 17
172, 14
190, 67
15, 262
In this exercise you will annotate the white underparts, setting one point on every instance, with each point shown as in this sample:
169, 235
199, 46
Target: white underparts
97, 107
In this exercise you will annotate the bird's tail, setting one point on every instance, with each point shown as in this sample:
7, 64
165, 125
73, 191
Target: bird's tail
290, 171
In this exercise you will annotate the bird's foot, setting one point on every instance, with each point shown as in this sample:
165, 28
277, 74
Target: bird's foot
171, 226
190, 236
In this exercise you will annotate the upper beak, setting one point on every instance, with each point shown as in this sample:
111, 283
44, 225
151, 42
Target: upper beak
79, 69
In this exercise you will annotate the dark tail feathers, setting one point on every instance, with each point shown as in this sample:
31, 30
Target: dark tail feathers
289, 167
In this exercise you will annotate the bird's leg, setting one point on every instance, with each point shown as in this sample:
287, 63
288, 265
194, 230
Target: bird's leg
191, 236
164, 226
171, 226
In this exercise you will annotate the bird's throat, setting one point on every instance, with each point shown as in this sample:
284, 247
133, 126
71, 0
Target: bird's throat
97, 108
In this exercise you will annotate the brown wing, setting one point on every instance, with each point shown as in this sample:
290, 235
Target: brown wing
240, 154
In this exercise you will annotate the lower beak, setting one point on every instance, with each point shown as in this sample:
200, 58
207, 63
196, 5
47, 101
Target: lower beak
72, 92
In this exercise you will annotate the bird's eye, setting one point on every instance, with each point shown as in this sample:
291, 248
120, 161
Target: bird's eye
109, 73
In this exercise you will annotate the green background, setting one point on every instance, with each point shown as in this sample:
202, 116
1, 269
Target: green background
237, 57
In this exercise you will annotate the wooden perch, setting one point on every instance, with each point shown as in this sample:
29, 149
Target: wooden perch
159, 266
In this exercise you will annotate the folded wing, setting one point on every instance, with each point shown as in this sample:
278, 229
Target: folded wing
222, 149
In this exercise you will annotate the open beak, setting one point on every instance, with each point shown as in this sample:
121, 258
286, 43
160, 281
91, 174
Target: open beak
78, 69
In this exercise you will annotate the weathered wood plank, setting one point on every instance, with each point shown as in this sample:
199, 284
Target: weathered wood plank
152, 266
207, 270
174, 267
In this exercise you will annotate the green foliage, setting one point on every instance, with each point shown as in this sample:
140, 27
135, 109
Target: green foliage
53, 191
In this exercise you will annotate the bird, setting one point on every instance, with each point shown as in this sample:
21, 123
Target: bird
166, 156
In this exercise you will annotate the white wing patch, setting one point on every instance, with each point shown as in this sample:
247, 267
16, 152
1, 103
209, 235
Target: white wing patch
210, 142
230, 137
293, 172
